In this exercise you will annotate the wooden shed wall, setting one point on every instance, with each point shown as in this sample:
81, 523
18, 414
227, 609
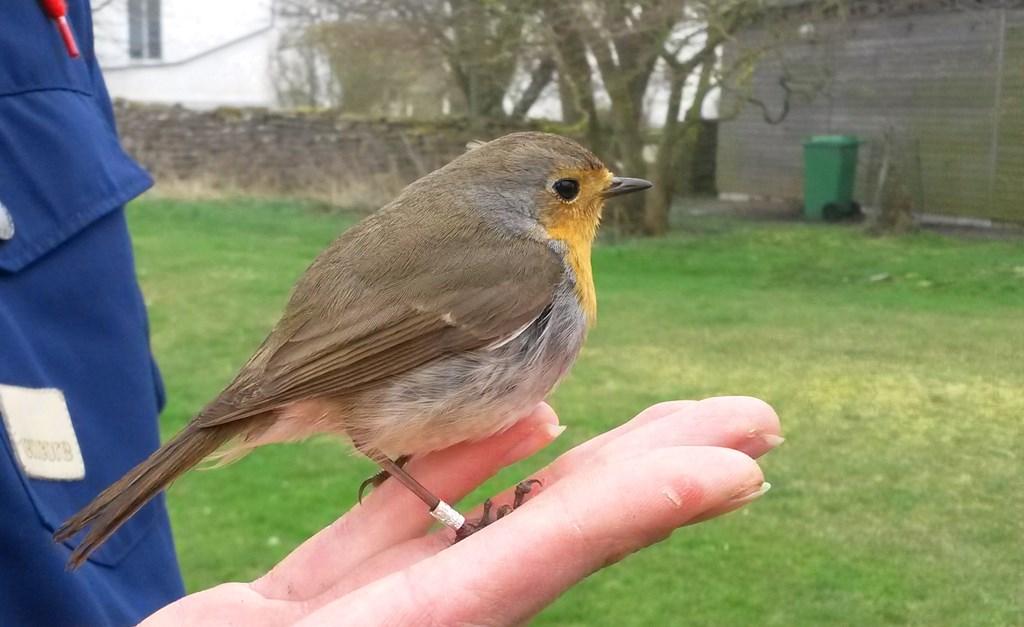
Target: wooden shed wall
947, 88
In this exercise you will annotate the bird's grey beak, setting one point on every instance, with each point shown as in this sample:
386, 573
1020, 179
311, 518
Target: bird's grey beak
624, 185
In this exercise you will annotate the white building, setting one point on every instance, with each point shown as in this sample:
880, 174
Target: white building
199, 53
210, 53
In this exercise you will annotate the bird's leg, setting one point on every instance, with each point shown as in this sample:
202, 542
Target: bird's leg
440, 510
470, 527
381, 476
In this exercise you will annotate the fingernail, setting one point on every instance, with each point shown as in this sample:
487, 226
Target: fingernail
770, 439
752, 496
554, 430
544, 434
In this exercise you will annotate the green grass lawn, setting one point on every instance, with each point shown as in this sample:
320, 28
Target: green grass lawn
897, 366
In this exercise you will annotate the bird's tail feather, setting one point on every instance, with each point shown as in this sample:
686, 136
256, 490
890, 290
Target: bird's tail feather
108, 511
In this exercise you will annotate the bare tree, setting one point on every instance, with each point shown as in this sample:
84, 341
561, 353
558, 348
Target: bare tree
301, 70
630, 43
501, 55
483, 45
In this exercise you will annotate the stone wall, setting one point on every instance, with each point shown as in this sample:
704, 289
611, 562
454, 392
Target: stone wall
350, 162
318, 154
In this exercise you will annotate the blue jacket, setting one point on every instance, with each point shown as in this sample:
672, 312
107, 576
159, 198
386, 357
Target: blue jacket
71, 319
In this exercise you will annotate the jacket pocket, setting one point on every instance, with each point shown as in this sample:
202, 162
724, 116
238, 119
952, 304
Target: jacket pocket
34, 55
76, 321
55, 501
61, 168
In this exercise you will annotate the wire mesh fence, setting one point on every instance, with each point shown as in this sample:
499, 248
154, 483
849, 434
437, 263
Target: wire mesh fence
935, 93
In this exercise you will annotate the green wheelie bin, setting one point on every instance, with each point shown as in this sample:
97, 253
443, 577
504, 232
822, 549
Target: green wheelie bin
830, 169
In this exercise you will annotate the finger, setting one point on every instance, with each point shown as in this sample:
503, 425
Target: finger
507, 573
651, 414
742, 423
730, 506
392, 514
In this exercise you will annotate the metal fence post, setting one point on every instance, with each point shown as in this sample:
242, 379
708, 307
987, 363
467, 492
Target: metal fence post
993, 164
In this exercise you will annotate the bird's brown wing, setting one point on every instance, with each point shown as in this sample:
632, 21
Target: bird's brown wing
358, 318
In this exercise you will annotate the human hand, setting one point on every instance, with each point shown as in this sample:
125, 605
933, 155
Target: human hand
674, 464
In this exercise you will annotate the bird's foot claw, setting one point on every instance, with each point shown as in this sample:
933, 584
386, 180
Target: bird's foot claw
373, 481
379, 478
522, 489
489, 515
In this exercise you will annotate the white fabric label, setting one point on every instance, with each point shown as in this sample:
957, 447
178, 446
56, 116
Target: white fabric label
39, 426
6, 223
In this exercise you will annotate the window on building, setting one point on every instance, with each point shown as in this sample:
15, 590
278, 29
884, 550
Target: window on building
144, 36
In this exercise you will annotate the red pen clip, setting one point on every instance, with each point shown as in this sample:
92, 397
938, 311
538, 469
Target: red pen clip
57, 10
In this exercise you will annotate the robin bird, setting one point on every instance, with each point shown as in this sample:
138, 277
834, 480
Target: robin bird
444, 317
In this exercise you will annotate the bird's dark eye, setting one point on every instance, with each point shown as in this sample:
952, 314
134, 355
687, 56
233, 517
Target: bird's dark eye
567, 189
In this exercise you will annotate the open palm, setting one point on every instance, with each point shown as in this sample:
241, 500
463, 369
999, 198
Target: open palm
674, 464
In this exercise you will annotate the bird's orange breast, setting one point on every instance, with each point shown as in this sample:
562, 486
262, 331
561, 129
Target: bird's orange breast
577, 230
